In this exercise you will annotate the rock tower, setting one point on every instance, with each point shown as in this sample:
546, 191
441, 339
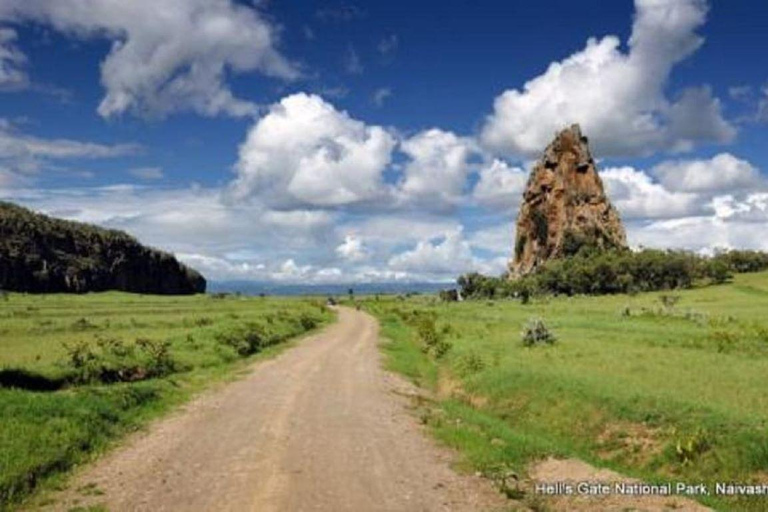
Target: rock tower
564, 207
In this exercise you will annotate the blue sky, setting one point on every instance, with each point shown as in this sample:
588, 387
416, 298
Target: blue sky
339, 142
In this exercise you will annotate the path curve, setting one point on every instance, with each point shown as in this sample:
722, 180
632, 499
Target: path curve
320, 428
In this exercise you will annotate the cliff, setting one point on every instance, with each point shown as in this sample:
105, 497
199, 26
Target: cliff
41, 254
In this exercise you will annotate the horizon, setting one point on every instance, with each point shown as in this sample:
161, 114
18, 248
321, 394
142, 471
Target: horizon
341, 144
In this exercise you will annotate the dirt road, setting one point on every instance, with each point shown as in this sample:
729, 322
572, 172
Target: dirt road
319, 428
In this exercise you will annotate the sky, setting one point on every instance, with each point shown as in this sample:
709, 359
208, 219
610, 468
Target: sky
340, 142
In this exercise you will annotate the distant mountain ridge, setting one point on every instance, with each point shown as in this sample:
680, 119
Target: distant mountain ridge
386, 288
42, 254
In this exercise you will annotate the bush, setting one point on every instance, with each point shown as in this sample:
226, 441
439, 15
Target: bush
245, 340
669, 301
159, 359
432, 341
469, 364
308, 322
537, 333
691, 448
110, 360
591, 272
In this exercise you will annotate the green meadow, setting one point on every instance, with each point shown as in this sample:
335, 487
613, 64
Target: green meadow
663, 386
79, 371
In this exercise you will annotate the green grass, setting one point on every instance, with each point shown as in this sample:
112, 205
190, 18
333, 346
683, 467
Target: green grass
50, 421
627, 383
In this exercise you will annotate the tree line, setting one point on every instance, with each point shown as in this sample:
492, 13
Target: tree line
591, 272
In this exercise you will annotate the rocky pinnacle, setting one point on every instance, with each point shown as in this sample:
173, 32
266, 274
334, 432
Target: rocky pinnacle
564, 207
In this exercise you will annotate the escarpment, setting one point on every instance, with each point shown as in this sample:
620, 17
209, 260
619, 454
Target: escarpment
41, 254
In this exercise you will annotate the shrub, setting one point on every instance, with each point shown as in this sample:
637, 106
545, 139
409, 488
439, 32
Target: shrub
469, 364
160, 362
593, 272
308, 322
432, 341
83, 324
203, 321
536, 332
689, 449
669, 301
110, 360
245, 340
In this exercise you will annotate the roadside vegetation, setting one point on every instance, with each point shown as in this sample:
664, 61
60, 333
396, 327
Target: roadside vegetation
664, 386
77, 372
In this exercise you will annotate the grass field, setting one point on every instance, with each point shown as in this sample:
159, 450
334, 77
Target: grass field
76, 372
663, 389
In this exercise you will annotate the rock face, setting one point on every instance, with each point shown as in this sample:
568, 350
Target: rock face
564, 207
40, 254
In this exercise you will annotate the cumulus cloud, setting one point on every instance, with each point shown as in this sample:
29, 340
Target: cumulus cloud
437, 170
446, 256
733, 225
168, 56
304, 151
500, 186
618, 98
723, 172
199, 222
496, 239
12, 62
698, 204
352, 249
636, 195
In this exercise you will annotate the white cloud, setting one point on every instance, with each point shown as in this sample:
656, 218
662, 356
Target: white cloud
496, 239
395, 228
388, 45
618, 98
352, 63
352, 249
26, 154
448, 254
500, 186
147, 173
751, 208
381, 95
723, 172
762, 107
168, 56
198, 221
703, 233
636, 195
436, 173
445, 258
304, 151
12, 62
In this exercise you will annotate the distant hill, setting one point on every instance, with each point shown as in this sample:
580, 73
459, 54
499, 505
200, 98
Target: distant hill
394, 288
41, 254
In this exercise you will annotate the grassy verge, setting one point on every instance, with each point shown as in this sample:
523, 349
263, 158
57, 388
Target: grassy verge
664, 390
78, 372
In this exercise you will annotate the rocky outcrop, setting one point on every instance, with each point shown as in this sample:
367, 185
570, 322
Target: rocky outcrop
41, 254
564, 207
